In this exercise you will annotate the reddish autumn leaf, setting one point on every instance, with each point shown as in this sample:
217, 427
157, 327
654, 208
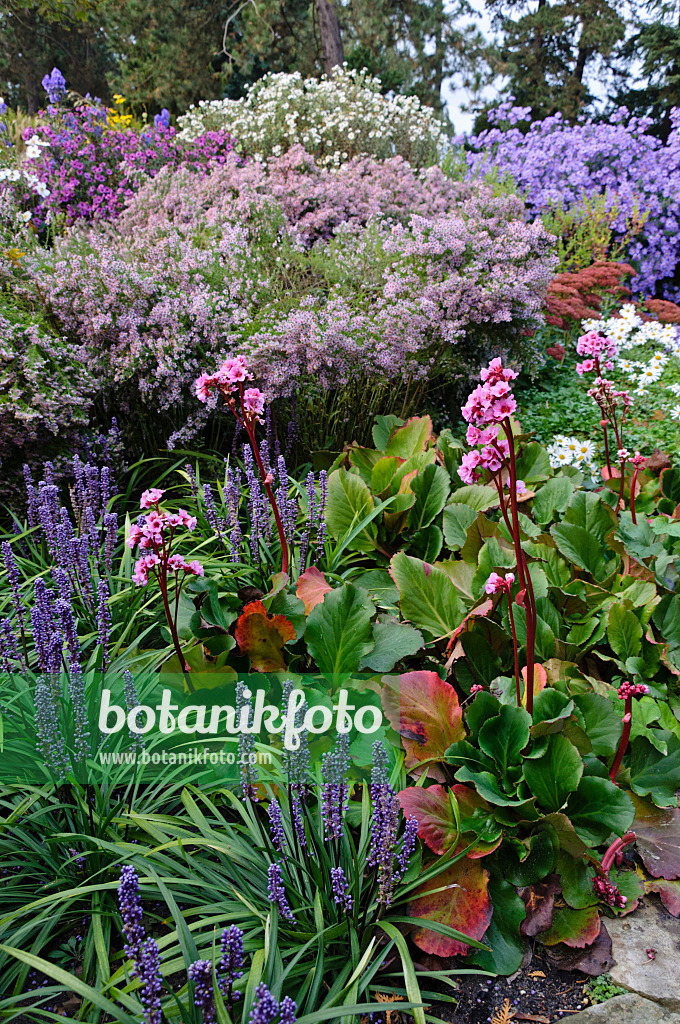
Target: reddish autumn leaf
669, 891
481, 611
424, 710
463, 903
262, 637
311, 588
575, 928
657, 831
433, 811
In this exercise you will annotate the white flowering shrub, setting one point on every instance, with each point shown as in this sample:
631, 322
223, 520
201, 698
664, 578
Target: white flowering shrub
335, 118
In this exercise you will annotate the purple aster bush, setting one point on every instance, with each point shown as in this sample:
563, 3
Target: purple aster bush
556, 162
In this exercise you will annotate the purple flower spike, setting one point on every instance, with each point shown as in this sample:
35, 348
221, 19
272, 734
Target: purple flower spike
201, 973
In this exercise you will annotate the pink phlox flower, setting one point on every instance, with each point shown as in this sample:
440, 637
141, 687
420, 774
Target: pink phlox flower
151, 497
490, 459
503, 407
205, 384
176, 563
135, 536
253, 401
476, 436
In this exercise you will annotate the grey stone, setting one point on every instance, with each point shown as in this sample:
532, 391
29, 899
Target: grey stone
628, 1009
648, 927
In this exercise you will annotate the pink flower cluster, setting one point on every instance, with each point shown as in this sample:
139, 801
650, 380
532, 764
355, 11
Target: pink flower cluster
608, 892
230, 375
627, 689
599, 350
498, 584
492, 401
155, 535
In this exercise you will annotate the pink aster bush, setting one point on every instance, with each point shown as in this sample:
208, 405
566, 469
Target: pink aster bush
386, 300
154, 534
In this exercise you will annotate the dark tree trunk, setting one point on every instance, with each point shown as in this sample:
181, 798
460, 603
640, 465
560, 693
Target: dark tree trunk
331, 36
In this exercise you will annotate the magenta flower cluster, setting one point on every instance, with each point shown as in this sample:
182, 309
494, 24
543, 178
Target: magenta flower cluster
487, 407
91, 170
599, 351
155, 534
555, 161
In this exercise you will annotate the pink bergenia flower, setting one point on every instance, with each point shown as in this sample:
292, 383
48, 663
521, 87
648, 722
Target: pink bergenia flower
234, 369
186, 519
205, 384
468, 467
196, 568
151, 497
623, 454
475, 688
253, 401
496, 584
587, 366
639, 461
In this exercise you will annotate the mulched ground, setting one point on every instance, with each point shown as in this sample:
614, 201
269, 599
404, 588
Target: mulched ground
537, 993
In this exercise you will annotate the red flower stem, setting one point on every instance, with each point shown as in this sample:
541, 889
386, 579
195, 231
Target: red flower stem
611, 853
516, 650
247, 423
625, 736
620, 505
606, 450
525, 577
633, 485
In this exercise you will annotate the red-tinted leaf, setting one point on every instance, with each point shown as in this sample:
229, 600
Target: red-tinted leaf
432, 809
540, 681
262, 637
424, 710
469, 801
311, 588
539, 900
481, 611
593, 960
575, 928
463, 904
669, 891
658, 837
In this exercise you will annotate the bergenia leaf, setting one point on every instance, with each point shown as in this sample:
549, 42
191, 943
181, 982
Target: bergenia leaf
262, 637
312, 588
424, 710
462, 902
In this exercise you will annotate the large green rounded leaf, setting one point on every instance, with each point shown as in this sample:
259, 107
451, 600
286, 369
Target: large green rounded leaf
431, 488
428, 596
504, 738
349, 502
598, 808
554, 776
339, 630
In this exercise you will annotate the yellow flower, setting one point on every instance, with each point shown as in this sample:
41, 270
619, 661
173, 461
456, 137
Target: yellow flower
14, 255
117, 98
